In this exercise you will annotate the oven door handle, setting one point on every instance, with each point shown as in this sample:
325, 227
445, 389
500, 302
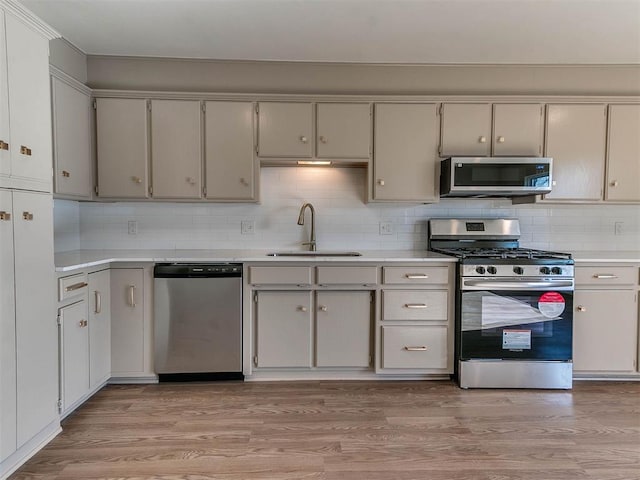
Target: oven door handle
507, 285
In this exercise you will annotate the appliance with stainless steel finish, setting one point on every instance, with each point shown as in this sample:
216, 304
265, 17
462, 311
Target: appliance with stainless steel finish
514, 306
198, 321
495, 176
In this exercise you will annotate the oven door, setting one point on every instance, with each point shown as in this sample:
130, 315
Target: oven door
523, 319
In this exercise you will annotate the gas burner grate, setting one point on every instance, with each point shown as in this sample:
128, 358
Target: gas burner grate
504, 253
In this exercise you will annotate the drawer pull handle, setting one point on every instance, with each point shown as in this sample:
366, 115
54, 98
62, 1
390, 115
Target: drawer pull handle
98, 308
416, 349
604, 276
415, 305
76, 286
132, 293
414, 276
27, 216
302, 309
303, 139
66, 174
5, 215
581, 308
4, 145
25, 150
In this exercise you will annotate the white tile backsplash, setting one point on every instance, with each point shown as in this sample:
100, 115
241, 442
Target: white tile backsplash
343, 220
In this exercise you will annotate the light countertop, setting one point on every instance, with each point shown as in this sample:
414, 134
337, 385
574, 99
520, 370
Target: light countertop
67, 261
622, 256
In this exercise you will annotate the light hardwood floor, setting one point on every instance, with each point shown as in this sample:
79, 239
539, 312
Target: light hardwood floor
347, 431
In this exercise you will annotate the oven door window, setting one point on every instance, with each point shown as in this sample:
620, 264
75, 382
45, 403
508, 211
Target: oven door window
516, 325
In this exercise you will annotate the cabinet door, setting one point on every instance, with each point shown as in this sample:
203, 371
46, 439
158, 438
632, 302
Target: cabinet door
229, 151
623, 156
36, 330
176, 149
285, 129
343, 329
71, 140
122, 147
29, 102
74, 353
99, 327
517, 129
283, 329
576, 142
466, 129
7, 329
405, 162
605, 331
5, 137
127, 321
343, 130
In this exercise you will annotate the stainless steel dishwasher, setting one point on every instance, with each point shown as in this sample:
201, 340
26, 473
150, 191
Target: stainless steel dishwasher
198, 321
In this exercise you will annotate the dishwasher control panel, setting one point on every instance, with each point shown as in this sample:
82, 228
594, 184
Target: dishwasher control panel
171, 270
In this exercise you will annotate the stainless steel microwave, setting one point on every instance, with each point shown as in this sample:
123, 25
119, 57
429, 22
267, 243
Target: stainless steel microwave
495, 176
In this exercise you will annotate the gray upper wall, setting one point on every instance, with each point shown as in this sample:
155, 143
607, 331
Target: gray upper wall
68, 58
186, 75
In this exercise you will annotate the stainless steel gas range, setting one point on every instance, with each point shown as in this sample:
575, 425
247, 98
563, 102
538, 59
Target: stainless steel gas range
514, 306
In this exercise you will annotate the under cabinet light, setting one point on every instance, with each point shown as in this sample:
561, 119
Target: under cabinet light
314, 162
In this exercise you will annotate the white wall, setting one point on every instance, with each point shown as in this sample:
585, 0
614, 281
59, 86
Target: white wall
344, 221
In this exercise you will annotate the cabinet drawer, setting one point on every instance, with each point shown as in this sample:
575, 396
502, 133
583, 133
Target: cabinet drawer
280, 275
347, 275
414, 305
416, 275
414, 347
72, 286
606, 275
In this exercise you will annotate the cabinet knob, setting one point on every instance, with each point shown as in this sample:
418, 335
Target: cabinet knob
244, 182
302, 308
191, 180
581, 308
323, 308
303, 139
381, 182
25, 150
136, 179
482, 139
5, 216
500, 139
27, 216
323, 139
83, 323
4, 145
66, 174
615, 183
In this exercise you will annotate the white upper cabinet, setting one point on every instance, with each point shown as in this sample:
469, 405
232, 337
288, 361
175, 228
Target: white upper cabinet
576, 142
466, 130
25, 97
71, 140
623, 155
176, 148
229, 151
285, 129
517, 129
122, 147
406, 152
343, 130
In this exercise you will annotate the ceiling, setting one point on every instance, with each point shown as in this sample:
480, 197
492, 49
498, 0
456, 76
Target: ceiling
367, 31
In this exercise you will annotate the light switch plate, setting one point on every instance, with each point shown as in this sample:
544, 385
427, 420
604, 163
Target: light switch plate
386, 228
248, 227
132, 227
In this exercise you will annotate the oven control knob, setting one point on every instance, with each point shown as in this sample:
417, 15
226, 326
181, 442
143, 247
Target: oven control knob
480, 270
556, 270
518, 270
492, 270
545, 270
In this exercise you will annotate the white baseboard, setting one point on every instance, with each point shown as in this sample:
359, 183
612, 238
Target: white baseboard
29, 449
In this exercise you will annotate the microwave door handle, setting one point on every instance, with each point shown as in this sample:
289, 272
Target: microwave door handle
506, 285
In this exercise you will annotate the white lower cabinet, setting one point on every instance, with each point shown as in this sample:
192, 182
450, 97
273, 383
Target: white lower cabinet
74, 353
99, 328
128, 323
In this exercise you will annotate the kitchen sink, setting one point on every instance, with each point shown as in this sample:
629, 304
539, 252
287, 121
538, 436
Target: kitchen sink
314, 254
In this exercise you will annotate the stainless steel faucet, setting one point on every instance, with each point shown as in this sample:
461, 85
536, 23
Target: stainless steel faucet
312, 239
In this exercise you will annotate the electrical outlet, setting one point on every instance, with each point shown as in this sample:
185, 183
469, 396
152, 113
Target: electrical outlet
247, 227
133, 227
386, 228
618, 228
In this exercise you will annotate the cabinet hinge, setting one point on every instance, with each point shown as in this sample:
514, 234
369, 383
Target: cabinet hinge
204, 191
441, 109
59, 405
372, 296
149, 105
150, 190
256, 149
255, 361
95, 104
440, 150
95, 189
257, 108
59, 320
203, 106
255, 297
370, 360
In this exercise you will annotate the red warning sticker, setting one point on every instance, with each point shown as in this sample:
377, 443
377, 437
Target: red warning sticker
551, 304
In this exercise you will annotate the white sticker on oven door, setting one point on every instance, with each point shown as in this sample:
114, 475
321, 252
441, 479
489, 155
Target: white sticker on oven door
516, 339
551, 304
